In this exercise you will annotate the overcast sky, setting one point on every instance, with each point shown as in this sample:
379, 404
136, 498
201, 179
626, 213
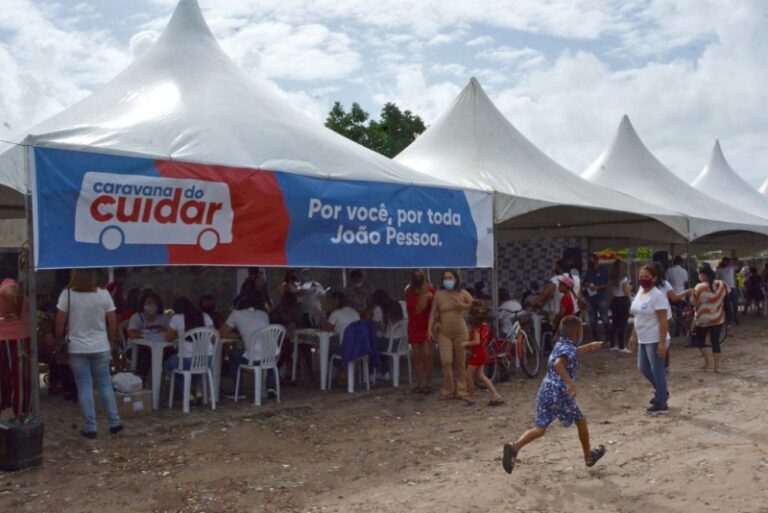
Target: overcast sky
563, 71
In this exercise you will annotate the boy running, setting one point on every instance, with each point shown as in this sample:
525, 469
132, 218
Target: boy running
556, 395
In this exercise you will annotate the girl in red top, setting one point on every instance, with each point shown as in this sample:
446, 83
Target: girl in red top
418, 301
478, 340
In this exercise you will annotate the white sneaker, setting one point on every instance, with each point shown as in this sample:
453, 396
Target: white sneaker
614, 348
625, 351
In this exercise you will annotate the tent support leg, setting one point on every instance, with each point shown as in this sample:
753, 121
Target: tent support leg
32, 294
495, 282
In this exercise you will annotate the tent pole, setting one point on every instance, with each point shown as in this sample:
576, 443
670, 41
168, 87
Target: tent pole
343, 277
495, 271
32, 287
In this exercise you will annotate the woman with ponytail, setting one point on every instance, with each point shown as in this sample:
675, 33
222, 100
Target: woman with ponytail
709, 301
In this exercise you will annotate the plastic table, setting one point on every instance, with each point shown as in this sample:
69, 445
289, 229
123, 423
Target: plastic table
323, 342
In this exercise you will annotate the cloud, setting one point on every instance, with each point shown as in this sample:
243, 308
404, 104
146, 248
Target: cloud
480, 41
519, 58
454, 69
412, 92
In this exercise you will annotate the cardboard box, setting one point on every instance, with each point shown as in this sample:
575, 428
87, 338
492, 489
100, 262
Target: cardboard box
135, 404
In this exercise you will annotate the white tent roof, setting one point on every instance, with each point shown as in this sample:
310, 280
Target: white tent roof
184, 99
472, 144
719, 180
628, 166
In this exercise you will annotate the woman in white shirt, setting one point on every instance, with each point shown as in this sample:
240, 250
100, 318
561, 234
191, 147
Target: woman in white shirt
341, 315
650, 334
186, 318
248, 317
86, 317
621, 299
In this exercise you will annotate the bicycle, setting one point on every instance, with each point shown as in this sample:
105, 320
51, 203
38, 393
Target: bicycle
516, 348
689, 316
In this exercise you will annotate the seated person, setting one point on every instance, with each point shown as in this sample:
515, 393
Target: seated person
341, 315
207, 305
149, 318
386, 313
186, 318
248, 317
359, 293
509, 309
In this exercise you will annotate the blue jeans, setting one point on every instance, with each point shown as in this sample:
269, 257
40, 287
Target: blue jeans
172, 363
652, 368
235, 359
598, 306
89, 370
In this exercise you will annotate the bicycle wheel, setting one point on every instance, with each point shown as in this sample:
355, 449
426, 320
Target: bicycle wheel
531, 355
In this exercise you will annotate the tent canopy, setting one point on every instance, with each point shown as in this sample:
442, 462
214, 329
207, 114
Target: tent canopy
628, 166
472, 144
186, 100
764, 188
718, 180
184, 127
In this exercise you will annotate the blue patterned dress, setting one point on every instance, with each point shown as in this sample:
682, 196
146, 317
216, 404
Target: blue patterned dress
553, 401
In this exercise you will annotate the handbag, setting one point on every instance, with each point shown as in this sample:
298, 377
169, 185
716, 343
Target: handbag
61, 352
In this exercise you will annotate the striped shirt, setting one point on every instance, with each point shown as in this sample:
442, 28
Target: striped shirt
710, 305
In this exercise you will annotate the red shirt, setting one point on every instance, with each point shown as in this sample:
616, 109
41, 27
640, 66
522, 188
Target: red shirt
417, 322
566, 305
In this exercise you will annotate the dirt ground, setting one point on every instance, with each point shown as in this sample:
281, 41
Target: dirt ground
391, 451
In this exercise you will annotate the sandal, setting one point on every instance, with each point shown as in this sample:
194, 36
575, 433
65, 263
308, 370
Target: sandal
496, 402
595, 455
509, 458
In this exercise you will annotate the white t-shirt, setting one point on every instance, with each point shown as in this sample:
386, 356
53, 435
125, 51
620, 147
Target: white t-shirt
576, 281
508, 311
342, 318
677, 276
309, 297
727, 275
177, 324
247, 322
553, 306
87, 319
378, 317
644, 308
619, 291
139, 322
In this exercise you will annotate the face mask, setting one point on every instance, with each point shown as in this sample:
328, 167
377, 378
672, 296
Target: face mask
150, 309
646, 283
449, 284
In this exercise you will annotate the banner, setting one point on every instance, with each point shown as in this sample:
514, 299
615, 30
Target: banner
95, 210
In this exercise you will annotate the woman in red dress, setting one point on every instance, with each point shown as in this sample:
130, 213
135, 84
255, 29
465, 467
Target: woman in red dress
418, 301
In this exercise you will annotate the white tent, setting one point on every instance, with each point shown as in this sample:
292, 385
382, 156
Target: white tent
718, 180
629, 167
186, 100
472, 144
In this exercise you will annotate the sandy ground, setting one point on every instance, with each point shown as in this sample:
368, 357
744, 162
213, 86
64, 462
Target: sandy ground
391, 451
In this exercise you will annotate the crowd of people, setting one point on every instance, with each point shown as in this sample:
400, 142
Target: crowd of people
454, 318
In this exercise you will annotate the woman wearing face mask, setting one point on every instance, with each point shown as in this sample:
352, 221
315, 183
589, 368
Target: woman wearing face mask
650, 334
448, 308
418, 302
150, 318
709, 301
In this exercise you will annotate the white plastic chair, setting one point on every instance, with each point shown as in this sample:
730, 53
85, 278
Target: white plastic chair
125, 345
201, 339
363, 360
398, 348
271, 340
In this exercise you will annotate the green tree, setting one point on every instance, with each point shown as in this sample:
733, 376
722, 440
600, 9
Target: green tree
390, 135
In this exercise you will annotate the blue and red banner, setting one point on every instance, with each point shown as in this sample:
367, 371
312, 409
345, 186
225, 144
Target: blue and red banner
95, 210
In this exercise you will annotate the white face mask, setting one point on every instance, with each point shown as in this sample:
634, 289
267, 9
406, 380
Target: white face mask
150, 309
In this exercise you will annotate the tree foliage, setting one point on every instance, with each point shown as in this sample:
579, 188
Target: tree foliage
389, 135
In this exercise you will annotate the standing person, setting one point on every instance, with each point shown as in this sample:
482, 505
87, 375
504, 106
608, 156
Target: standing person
596, 284
186, 318
116, 290
621, 299
86, 317
256, 281
573, 268
549, 297
478, 340
359, 293
709, 299
677, 277
726, 272
418, 301
310, 294
650, 334
448, 308
753, 292
14, 332
557, 396
569, 305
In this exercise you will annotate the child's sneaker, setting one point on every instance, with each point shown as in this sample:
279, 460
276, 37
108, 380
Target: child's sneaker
657, 408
